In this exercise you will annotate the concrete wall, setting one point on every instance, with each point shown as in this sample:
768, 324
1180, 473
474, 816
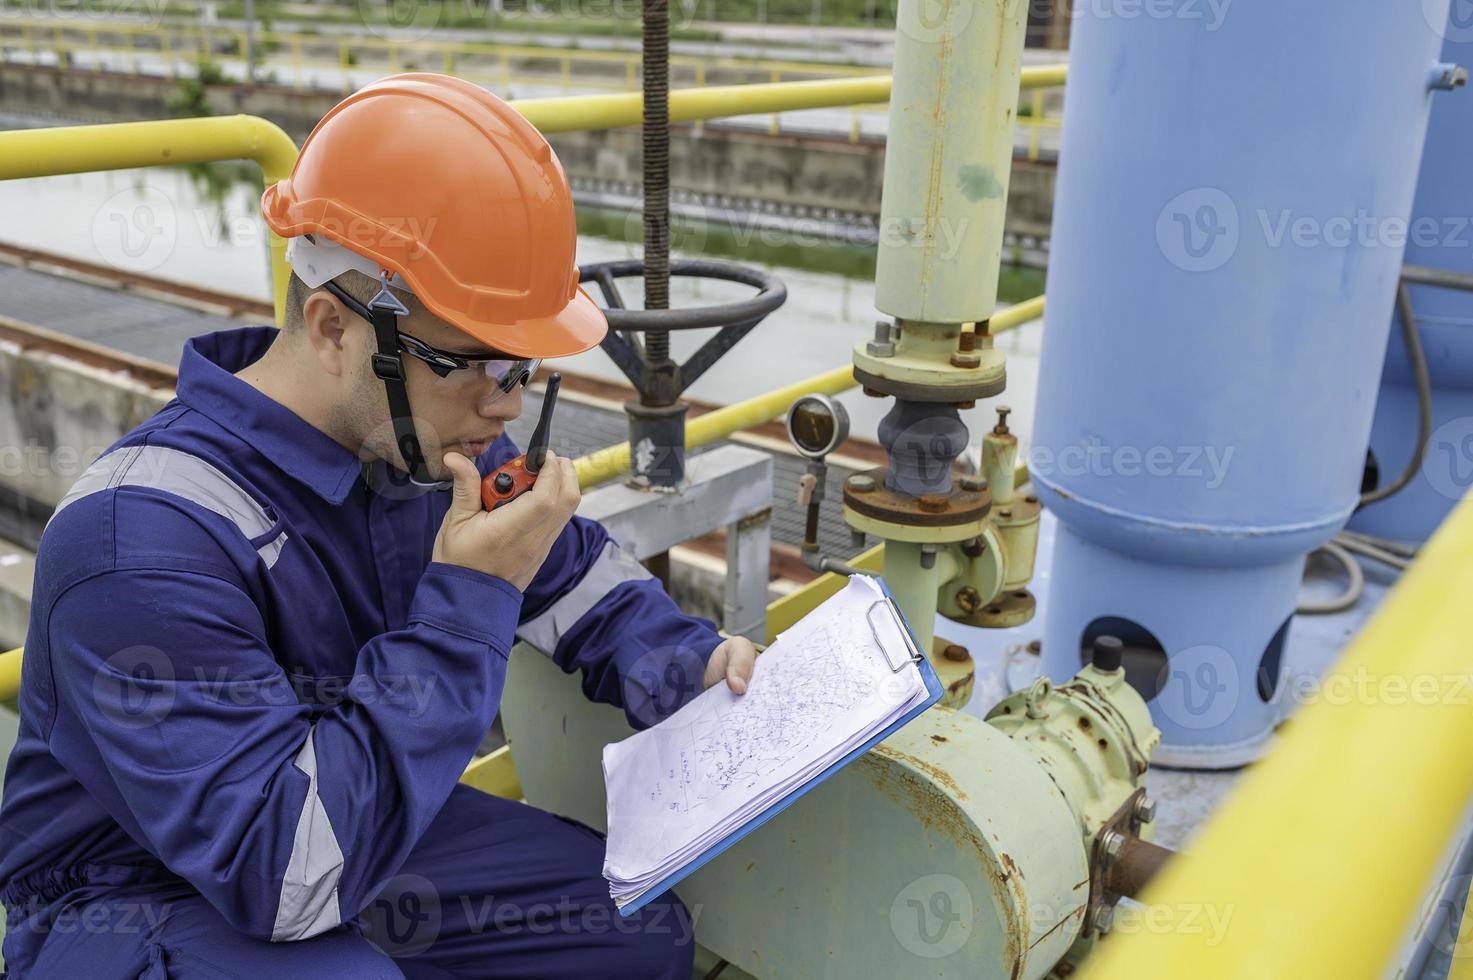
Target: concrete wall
795, 176
56, 416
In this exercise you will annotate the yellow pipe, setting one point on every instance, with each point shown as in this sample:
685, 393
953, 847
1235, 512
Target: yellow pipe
702, 430
1372, 779
124, 146
495, 774
589, 112
10, 673
607, 463
1016, 315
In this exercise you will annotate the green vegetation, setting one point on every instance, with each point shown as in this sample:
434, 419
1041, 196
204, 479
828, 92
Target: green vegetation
192, 100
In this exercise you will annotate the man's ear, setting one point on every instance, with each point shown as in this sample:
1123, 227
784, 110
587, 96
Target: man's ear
326, 321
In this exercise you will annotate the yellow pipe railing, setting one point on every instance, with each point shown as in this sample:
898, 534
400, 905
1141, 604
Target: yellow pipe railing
486, 63
610, 462
125, 146
10, 673
1371, 779
703, 430
589, 112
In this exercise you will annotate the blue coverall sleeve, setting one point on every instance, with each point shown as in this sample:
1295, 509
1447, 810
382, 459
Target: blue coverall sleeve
593, 607
173, 713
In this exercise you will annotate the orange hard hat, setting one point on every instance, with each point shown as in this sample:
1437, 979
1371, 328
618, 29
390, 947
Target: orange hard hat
438, 181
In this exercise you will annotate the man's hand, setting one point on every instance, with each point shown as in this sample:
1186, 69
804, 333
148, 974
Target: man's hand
733, 659
512, 541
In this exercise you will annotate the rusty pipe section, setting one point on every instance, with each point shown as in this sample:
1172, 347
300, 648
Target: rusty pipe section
1135, 865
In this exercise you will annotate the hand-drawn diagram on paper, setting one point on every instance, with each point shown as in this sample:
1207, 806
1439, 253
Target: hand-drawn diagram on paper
742, 741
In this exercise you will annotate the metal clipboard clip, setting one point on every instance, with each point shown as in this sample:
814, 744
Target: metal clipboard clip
915, 655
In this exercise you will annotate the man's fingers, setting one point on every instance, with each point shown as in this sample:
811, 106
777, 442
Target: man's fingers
741, 657
557, 483
465, 497
550, 477
733, 659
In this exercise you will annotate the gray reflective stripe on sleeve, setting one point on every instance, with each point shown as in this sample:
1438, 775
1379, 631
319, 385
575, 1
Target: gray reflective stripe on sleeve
182, 475
309, 889
612, 567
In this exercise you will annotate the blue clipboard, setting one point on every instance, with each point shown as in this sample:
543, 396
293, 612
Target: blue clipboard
934, 692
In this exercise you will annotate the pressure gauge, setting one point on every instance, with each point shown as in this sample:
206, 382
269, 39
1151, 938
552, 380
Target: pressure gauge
817, 425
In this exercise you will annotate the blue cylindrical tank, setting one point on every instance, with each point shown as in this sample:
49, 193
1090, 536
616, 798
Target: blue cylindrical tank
1441, 237
1222, 267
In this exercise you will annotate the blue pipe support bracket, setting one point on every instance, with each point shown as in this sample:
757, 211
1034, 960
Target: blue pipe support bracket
1222, 266
1440, 237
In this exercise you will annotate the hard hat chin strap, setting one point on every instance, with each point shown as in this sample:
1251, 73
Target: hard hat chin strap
388, 366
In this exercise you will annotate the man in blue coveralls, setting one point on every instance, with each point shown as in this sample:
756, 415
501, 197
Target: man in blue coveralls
262, 648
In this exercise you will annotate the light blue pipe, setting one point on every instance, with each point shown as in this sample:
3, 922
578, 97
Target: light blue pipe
1441, 238
1222, 266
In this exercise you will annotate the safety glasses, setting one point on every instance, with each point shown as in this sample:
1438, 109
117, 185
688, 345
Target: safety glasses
451, 368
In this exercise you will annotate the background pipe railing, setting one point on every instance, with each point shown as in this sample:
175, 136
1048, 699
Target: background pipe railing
48, 152
10, 673
590, 112
51, 151
118, 46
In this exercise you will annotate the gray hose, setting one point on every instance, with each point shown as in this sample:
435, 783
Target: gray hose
1418, 359
1390, 553
1352, 592
1372, 551
1399, 548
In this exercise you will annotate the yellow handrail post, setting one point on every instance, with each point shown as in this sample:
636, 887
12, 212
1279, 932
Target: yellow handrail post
10, 673
297, 62
1035, 119
700, 83
343, 64
775, 125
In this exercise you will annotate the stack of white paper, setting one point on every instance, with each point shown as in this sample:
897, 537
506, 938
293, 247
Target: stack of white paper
824, 688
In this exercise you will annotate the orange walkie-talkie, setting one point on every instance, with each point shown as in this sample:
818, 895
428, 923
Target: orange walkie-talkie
510, 480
